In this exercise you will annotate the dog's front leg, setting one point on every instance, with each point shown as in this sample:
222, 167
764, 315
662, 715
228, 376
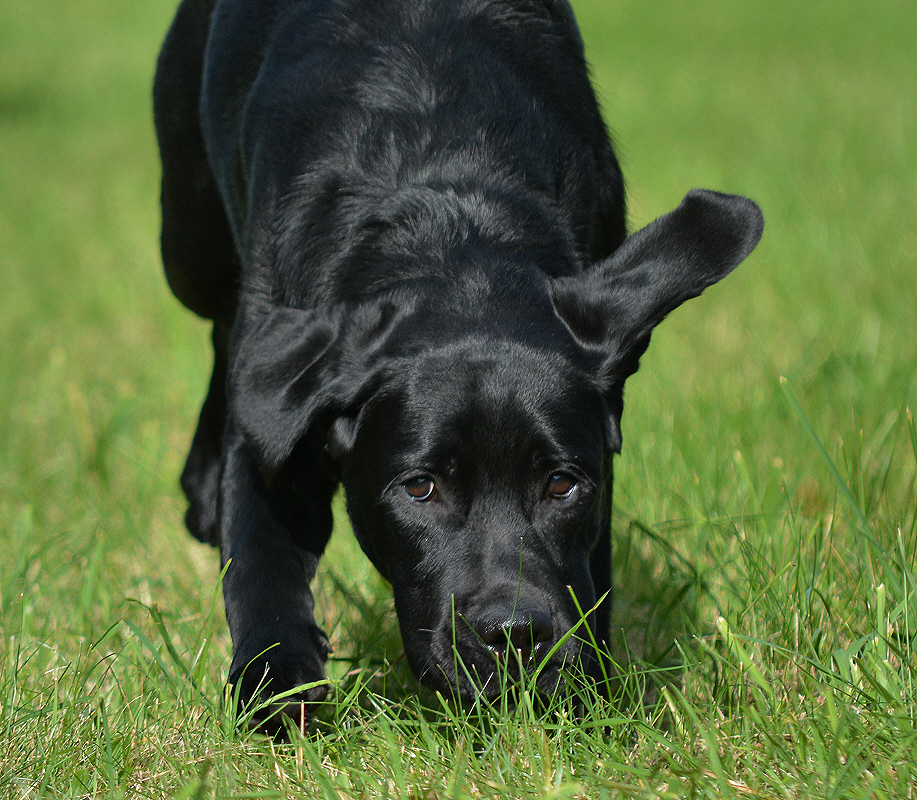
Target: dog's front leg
272, 538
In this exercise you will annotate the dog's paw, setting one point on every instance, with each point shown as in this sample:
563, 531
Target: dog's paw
281, 687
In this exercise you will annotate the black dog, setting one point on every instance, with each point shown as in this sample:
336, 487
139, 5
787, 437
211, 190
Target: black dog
406, 221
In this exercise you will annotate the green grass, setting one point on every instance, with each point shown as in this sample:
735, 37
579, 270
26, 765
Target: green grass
765, 530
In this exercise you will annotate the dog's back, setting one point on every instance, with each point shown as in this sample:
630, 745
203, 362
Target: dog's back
305, 104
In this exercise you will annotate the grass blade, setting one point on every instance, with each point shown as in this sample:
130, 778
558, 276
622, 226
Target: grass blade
891, 574
829, 462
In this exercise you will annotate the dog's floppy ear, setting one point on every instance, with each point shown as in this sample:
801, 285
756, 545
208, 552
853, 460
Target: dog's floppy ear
613, 307
297, 367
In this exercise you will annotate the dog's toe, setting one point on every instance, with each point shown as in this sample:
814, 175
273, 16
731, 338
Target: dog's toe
277, 718
276, 690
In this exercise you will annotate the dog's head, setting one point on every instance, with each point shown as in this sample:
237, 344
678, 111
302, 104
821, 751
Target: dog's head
477, 464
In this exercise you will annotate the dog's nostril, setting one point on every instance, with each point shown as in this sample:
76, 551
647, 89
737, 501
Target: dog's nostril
523, 630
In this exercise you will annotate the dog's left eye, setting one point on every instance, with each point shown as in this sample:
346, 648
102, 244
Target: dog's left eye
422, 489
561, 486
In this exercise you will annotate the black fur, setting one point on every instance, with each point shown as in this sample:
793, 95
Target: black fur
406, 221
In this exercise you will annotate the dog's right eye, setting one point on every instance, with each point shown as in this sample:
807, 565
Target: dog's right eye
422, 489
560, 487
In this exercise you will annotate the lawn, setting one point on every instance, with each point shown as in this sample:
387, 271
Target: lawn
765, 526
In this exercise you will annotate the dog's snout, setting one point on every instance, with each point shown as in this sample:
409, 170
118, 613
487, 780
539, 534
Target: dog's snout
526, 631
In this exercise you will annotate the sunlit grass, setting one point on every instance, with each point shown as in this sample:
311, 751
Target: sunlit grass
765, 531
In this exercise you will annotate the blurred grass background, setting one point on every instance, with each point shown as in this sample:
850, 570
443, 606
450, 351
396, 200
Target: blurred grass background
724, 504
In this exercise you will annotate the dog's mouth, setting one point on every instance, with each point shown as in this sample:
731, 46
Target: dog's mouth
471, 682
462, 666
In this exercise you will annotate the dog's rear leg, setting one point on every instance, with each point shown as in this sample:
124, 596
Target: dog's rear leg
272, 536
200, 479
197, 246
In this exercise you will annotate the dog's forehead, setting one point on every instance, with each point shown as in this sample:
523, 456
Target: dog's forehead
487, 374
482, 395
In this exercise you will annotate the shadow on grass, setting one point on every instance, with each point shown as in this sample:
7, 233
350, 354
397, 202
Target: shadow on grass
654, 613
369, 663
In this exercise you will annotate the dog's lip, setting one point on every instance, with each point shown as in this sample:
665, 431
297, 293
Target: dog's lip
485, 663
476, 682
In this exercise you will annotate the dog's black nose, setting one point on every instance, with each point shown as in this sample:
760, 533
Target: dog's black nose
527, 631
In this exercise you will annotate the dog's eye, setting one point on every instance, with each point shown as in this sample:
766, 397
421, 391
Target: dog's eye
421, 488
560, 486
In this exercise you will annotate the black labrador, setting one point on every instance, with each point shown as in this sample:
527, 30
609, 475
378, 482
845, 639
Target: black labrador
407, 223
